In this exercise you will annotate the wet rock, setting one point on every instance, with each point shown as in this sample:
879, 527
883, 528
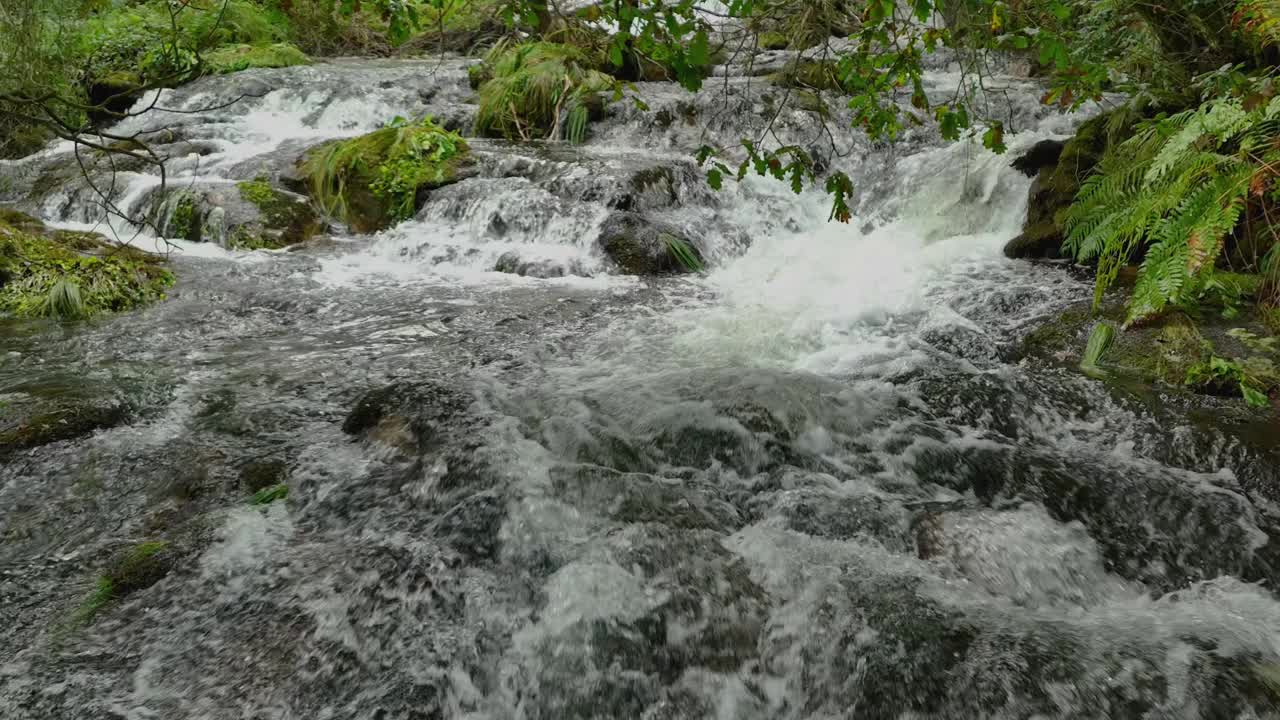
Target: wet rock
417, 413
472, 526
1054, 188
141, 567
1151, 527
247, 215
113, 93
640, 246
32, 423
258, 475
839, 516
638, 498
597, 669
1041, 155
278, 167
512, 264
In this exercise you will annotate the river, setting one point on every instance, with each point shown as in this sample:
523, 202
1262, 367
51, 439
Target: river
818, 481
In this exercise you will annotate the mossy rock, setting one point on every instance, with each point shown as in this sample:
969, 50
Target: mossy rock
773, 40
114, 93
138, 568
56, 421
375, 180
1164, 352
288, 218
1054, 189
38, 265
814, 75
639, 246
262, 474
244, 57
251, 215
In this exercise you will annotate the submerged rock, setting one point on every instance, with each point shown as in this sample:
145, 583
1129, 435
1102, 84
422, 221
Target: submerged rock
32, 424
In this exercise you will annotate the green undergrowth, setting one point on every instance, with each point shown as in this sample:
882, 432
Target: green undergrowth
71, 275
538, 90
376, 180
152, 44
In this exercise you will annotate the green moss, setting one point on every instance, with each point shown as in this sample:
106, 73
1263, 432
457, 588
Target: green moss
268, 495
243, 57
102, 595
773, 40
375, 180
35, 269
139, 568
184, 222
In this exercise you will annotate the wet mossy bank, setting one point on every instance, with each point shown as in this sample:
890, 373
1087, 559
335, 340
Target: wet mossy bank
72, 275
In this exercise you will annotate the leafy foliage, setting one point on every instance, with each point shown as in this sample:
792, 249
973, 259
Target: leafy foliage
1176, 189
1100, 339
539, 90
1223, 376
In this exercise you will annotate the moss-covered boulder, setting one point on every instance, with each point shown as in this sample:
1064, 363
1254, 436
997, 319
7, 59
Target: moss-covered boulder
376, 180
114, 92
1205, 354
72, 275
816, 75
27, 422
639, 246
1054, 188
243, 57
250, 215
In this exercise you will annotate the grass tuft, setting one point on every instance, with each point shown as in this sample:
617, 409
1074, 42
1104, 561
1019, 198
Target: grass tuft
538, 90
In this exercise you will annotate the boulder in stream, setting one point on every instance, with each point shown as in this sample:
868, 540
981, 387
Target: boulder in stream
640, 246
248, 215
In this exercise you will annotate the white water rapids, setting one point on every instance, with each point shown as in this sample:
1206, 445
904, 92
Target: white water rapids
815, 482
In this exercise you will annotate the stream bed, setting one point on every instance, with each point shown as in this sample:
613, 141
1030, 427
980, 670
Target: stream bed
821, 480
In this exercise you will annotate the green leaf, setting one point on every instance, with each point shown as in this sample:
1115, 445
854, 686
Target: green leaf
1253, 396
715, 178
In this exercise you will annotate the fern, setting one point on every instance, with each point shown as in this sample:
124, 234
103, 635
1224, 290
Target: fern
1173, 192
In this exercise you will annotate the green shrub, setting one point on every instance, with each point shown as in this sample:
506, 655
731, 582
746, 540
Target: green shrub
539, 90
375, 180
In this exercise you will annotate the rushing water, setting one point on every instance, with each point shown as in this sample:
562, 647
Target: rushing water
816, 482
